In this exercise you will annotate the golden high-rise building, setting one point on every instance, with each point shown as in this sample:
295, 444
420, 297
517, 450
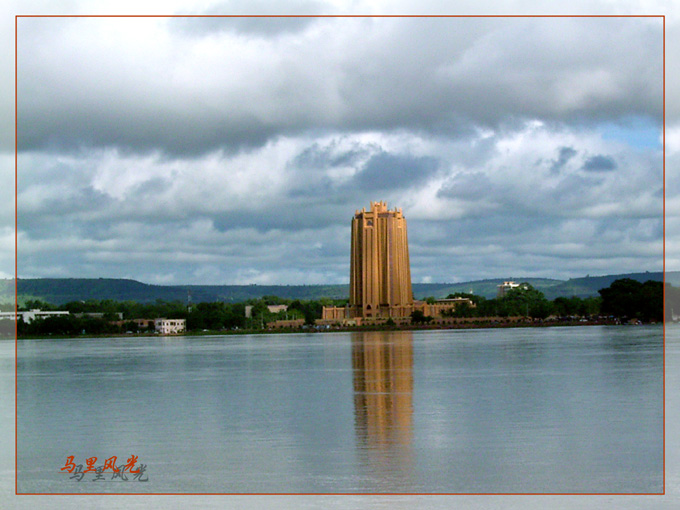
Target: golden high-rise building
380, 272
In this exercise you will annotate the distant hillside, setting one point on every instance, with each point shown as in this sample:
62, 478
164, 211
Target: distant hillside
62, 290
589, 285
581, 287
484, 288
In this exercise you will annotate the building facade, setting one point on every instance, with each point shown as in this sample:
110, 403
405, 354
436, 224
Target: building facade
170, 326
31, 315
380, 271
504, 287
271, 308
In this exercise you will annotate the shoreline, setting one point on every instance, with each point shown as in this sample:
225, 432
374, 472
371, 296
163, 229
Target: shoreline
317, 329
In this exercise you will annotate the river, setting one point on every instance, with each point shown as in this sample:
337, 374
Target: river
526, 410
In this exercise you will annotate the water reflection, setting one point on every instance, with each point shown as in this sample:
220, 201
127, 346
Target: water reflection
382, 365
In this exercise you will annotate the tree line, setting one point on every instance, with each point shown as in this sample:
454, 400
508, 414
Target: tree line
624, 299
211, 316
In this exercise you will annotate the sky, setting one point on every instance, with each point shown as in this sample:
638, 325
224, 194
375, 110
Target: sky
236, 150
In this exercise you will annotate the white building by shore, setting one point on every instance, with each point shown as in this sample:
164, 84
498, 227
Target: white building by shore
31, 315
170, 326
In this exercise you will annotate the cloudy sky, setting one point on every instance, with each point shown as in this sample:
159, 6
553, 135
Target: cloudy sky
236, 150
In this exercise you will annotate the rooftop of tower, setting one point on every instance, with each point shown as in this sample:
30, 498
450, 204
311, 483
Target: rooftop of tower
378, 207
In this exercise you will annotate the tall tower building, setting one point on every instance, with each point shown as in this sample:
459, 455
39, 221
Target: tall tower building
380, 273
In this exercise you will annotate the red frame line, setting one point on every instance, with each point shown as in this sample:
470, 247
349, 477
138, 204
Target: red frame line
16, 264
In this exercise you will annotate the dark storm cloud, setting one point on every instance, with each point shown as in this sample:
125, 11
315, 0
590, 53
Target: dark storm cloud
161, 221
466, 185
143, 90
386, 171
255, 19
599, 163
132, 126
43, 206
266, 219
565, 154
369, 169
319, 157
502, 245
491, 228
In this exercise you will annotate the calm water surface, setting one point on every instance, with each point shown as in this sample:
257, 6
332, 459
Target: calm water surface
576, 409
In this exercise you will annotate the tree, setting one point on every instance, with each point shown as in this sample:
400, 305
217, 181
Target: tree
419, 317
565, 306
472, 297
488, 308
462, 309
651, 301
525, 300
576, 306
131, 326
627, 298
273, 300
621, 298
37, 304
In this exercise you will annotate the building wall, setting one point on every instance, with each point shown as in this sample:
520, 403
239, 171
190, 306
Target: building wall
141, 323
335, 312
504, 287
443, 305
380, 274
290, 323
31, 315
340, 315
271, 308
380, 271
170, 326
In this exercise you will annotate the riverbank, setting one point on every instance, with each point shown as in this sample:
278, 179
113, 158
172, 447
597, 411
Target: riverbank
479, 324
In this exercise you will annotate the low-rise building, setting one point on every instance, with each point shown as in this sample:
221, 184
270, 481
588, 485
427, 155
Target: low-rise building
140, 323
339, 315
290, 323
97, 315
170, 326
441, 306
31, 315
504, 287
271, 308
144, 323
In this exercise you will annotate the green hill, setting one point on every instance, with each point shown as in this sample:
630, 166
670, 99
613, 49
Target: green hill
580, 287
62, 290
589, 285
485, 288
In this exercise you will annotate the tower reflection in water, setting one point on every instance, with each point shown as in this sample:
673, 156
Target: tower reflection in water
382, 363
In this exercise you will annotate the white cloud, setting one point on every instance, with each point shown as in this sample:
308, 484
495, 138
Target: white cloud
672, 140
233, 216
140, 84
230, 152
